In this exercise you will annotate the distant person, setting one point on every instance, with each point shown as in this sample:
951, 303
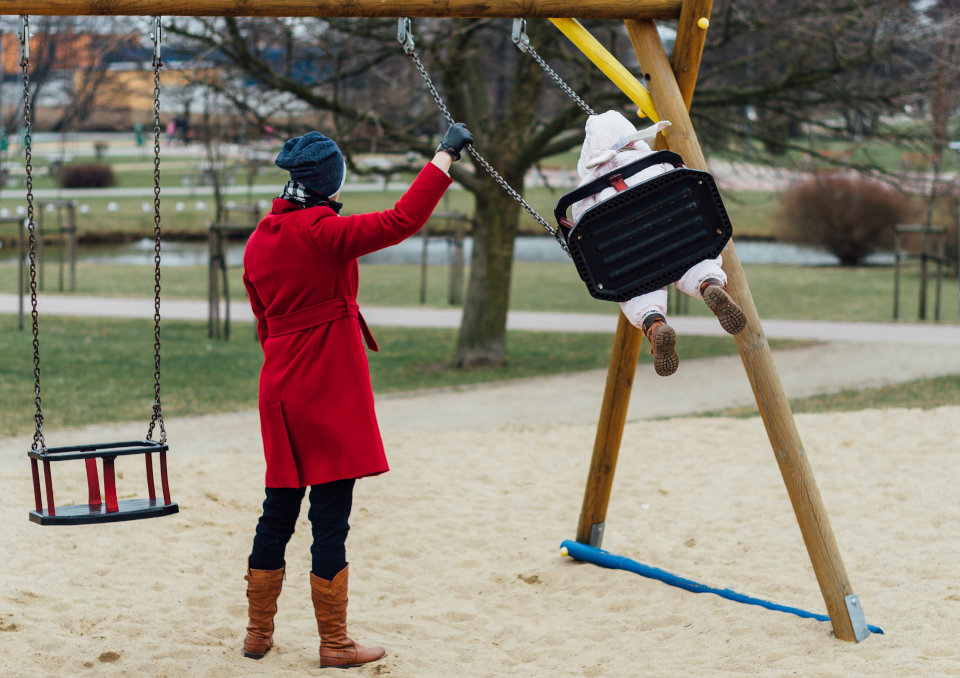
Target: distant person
316, 404
611, 142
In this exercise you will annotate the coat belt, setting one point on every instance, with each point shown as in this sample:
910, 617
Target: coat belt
320, 314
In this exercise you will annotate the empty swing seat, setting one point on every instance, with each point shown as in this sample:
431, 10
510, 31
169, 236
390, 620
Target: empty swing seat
99, 508
645, 236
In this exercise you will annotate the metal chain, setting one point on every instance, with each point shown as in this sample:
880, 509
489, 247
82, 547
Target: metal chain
157, 417
38, 439
522, 42
406, 38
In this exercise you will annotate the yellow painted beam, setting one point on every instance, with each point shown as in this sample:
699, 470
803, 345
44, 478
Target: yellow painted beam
608, 63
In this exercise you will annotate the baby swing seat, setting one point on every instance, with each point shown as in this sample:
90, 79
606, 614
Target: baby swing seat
645, 236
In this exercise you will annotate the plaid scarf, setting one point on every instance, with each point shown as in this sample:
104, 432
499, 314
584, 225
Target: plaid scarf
304, 197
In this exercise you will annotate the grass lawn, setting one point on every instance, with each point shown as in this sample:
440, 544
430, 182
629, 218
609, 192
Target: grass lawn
922, 393
784, 292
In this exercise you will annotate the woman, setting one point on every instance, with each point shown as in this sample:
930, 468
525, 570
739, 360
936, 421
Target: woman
317, 417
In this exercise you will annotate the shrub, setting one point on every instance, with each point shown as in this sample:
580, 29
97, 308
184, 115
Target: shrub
849, 215
86, 175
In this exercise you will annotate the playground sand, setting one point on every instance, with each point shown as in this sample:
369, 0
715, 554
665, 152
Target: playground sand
455, 565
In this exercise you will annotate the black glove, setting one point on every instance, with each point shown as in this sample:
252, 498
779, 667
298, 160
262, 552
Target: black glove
455, 139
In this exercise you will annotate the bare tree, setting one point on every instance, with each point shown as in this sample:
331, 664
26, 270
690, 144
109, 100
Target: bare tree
787, 71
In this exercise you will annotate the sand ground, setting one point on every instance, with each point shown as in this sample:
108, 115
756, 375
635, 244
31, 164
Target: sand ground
454, 554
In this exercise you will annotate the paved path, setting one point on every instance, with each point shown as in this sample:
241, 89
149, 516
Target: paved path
175, 309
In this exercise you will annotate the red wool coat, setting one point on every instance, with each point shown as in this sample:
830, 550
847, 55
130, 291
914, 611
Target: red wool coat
300, 270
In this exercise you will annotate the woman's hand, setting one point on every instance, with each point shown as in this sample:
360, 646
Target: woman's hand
455, 139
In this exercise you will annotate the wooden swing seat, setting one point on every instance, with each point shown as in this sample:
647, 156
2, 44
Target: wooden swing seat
645, 236
105, 509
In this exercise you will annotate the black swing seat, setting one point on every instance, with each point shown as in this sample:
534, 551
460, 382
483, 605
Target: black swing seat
646, 236
105, 509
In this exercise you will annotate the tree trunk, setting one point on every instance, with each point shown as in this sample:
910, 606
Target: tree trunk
482, 339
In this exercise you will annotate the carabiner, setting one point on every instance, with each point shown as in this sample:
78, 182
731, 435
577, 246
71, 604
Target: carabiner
405, 34
157, 37
24, 35
519, 36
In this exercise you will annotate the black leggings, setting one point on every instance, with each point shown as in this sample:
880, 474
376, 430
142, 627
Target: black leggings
329, 514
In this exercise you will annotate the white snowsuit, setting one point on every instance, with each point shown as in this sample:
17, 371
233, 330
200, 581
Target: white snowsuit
612, 142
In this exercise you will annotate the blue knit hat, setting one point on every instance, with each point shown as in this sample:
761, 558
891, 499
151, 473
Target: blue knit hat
315, 161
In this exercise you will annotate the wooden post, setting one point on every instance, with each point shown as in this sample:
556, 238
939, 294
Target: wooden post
606, 446
72, 243
213, 290
596, 9
896, 272
688, 46
757, 359
627, 342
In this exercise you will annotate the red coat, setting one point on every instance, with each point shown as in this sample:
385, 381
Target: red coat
300, 271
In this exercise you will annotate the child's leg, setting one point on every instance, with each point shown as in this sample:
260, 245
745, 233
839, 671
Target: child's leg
706, 280
648, 313
696, 275
638, 308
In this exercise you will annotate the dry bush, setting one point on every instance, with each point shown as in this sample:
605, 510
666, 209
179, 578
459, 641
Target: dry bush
87, 175
849, 215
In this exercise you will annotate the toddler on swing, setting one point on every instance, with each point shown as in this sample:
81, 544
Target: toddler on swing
612, 142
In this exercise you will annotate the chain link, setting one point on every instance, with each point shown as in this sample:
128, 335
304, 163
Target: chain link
157, 417
479, 158
556, 77
38, 439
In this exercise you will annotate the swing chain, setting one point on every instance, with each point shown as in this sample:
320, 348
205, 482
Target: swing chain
157, 417
24, 35
405, 37
522, 42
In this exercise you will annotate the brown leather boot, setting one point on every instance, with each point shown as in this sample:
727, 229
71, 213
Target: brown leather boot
718, 300
330, 607
263, 588
663, 343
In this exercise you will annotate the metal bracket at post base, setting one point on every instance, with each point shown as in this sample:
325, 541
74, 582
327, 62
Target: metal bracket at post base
857, 619
596, 534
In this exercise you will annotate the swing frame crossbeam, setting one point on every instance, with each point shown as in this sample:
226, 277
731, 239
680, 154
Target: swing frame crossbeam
510, 9
670, 81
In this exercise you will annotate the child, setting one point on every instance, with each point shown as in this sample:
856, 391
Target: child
612, 142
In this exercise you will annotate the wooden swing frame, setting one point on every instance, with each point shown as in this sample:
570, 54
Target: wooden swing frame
670, 83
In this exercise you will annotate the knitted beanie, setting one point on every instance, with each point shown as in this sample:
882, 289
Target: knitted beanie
315, 161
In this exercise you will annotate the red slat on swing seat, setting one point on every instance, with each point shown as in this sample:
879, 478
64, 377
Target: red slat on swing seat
109, 508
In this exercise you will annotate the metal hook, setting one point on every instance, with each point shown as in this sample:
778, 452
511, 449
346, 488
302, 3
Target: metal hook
519, 36
405, 34
24, 35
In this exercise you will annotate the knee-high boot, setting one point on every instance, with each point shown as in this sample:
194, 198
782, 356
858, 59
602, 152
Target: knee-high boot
330, 608
263, 589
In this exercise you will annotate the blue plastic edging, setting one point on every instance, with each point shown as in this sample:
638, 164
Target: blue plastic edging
592, 554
